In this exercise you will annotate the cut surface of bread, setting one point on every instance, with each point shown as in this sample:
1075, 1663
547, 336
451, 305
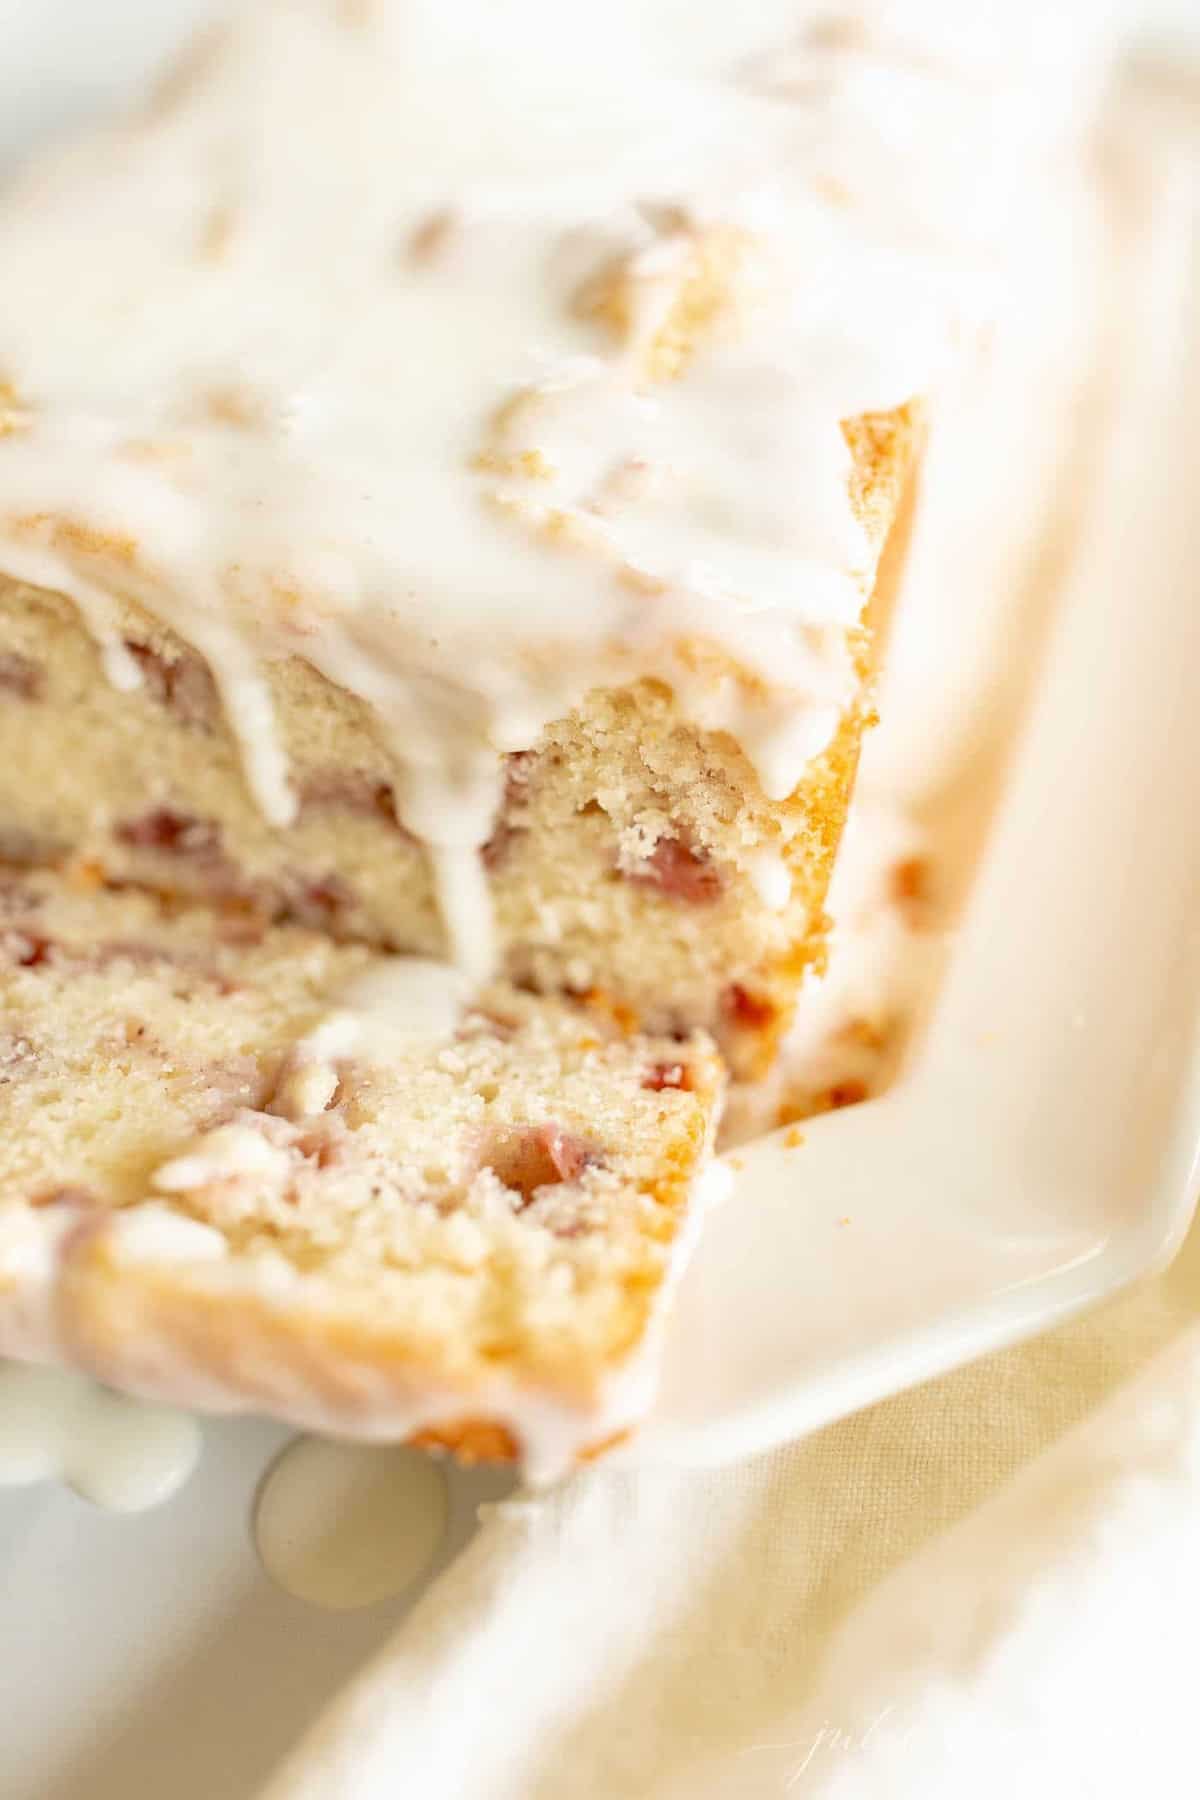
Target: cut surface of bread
631, 852
244, 1166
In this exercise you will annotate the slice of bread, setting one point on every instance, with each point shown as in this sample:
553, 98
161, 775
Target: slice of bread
246, 1167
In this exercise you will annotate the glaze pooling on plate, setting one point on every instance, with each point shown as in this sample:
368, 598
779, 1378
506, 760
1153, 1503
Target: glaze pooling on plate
519, 369
56, 1425
347, 1525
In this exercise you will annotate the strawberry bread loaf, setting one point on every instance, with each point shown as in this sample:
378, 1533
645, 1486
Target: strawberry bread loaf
460, 539
447, 453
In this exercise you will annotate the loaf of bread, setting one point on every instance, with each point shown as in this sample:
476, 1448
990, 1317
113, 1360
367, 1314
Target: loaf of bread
446, 457
440, 499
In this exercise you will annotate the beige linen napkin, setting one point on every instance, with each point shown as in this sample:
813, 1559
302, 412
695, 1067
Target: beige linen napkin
759, 1632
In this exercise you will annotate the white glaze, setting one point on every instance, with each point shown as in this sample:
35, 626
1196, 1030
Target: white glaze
398, 1004
229, 1151
263, 360
119, 1453
405, 999
771, 878
347, 1525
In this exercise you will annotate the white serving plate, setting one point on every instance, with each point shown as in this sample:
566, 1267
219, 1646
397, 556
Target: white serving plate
1038, 1151
1042, 1147
149, 1657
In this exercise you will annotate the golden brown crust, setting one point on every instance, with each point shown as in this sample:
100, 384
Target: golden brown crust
470, 1441
886, 447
